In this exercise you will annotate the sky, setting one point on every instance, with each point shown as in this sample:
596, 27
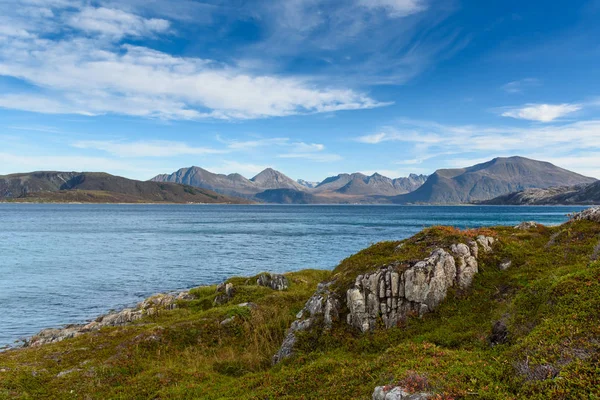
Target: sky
312, 88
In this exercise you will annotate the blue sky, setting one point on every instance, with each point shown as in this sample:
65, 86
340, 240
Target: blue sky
312, 88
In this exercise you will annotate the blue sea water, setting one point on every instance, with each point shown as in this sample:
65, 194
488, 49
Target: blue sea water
63, 264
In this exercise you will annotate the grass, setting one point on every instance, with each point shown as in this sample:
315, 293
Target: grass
549, 300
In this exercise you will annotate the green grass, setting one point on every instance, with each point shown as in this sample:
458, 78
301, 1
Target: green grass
549, 299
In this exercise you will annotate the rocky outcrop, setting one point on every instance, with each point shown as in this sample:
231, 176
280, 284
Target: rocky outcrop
225, 292
526, 225
388, 296
273, 281
322, 306
591, 214
150, 306
397, 393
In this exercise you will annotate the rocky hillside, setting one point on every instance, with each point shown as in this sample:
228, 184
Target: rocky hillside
96, 187
494, 178
568, 195
495, 313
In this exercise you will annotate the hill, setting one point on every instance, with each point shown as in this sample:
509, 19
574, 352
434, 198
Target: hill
494, 178
524, 325
97, 187
566, 195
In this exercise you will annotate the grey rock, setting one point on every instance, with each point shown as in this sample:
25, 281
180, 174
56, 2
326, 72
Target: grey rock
499, 334
485, 242
225, 291
526, 225
397, 393
227, 321
67, 372
322, 304
591, 214
274, 281
505, 265
248, 305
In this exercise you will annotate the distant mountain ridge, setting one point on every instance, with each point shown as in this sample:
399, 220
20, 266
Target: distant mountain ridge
490, 179
99, 187
374, 185
585, 194
343, 188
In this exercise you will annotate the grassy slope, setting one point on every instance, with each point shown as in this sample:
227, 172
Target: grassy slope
549, 299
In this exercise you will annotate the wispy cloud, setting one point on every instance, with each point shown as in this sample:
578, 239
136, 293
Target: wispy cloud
396, 8
76, 59
470, 143
316, 157
115, 23
246, 169
521, 85
146, 148
542, 112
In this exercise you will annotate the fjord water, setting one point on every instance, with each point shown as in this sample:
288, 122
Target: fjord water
63, 264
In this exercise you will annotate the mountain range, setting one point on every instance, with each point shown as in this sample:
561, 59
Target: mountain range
342, 188
98, 187
480, 182
511, 180
487, 180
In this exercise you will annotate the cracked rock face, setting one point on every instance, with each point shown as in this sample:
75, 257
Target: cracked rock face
389, 295
274, 281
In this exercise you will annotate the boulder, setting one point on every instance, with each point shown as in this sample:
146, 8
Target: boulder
591, 214
526, 225
397, 393
225, 292
504, 265
322, 304
467, 266
485, 242
274, 281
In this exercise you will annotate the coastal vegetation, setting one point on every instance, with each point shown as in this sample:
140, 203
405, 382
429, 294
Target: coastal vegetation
527, 327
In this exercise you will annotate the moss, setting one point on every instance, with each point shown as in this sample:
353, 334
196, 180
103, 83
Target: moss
549, 299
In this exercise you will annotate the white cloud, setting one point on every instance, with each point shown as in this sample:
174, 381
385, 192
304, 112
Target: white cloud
469, 144
141, 82
145, 148
520, 85
13, 162
84, 70
252, 144
116, 23
396, 8
316, 157
542, 112
246, 169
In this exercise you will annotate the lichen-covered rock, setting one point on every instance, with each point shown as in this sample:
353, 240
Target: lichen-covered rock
526, 225
274, 281
485, 242
389, 295
427, 282
504, 265
322, 304
225, 292
591, 214
397, 393
467, 266
150, 306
